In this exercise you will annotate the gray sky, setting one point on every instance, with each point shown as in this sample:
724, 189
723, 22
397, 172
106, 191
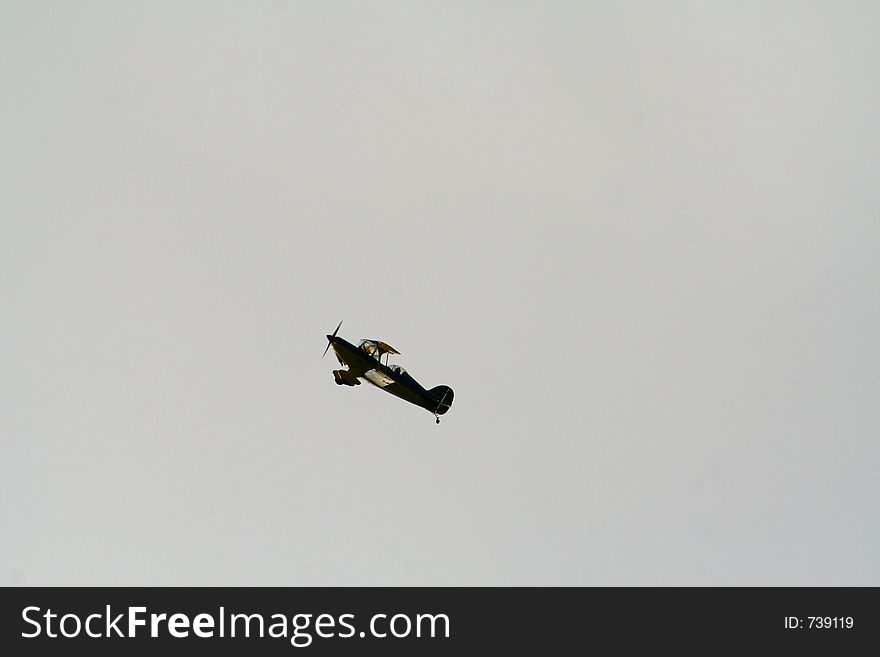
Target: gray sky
640, 241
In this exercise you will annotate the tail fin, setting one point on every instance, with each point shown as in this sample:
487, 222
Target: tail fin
444, 396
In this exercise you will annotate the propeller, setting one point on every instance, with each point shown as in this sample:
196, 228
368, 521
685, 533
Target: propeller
330, 338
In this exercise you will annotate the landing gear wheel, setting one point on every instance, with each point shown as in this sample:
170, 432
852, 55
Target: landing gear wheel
438, 420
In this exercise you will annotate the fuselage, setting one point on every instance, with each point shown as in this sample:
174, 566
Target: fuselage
390, 379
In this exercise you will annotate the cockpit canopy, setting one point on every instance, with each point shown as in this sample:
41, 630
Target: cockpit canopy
377, 349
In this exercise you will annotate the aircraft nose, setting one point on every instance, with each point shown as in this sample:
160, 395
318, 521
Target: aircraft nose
331, 338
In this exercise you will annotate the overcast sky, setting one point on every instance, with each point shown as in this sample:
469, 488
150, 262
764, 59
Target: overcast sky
641, 241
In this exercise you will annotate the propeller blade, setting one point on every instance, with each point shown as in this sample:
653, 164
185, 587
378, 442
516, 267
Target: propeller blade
330, 338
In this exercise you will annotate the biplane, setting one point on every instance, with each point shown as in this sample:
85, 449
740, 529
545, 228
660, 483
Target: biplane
364, 361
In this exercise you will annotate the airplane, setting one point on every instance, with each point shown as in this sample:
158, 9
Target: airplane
364, 361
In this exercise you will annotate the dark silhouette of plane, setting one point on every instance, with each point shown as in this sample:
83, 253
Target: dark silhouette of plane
365, 362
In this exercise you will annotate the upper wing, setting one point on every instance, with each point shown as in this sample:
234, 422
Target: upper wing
384, 347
